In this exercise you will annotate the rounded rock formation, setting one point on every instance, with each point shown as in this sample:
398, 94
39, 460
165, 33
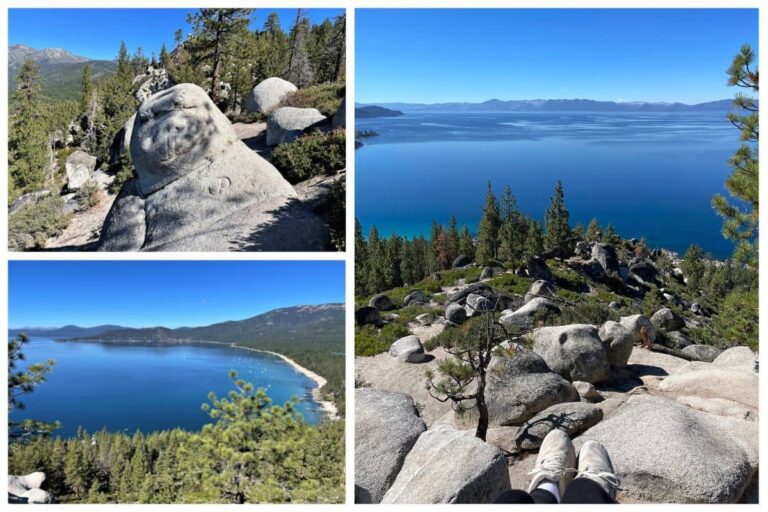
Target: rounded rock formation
199, 188
287, 123
268, 94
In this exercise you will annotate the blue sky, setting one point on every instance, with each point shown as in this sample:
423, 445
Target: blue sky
443, 55
167, 293
96, 33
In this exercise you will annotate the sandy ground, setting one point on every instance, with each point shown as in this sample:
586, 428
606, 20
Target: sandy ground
84, 229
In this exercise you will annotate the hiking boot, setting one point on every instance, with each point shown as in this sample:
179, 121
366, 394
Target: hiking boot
556, 461
595, 464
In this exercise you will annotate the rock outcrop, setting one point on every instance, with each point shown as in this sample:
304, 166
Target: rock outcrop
26, 489
665, 452
408, 349
268, 94
519, 385
199, 188
572, 418
668, 320
523, 318
573, 351
618, 342
638, 325
706, 353
155, 80
387, 426
450, 466
79, 167
381, 302
287, 123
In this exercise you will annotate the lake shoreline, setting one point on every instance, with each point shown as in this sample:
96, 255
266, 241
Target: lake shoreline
327, 407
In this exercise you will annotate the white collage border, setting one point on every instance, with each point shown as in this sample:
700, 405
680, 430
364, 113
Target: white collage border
350, 6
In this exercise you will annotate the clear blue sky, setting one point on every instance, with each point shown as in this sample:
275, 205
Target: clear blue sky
167, 293
96, 33
443, 55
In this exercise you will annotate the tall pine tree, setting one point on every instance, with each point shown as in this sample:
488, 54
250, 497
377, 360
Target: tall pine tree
488, 230
557, 240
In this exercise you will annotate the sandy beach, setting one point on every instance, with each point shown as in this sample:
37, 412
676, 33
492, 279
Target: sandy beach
327, 406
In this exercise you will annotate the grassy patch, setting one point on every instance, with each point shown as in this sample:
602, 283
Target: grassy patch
510, 284
324, 97
370, 340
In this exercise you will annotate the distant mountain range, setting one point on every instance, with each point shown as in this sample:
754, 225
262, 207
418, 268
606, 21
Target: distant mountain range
292, 324
575, 105
61, 70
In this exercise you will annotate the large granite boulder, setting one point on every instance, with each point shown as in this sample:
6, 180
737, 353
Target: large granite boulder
540, 288
416, 297
287, 123
637, 325
738, 358
26, 489
387, 426
573, 418
381, 302
408, 349
706, 353
478, 288
618, 342
668, 320
455, 313
486, 273
525, 316
712, 381
79, 167
606, 256
268, 94
519, 385
666, 452
199, 188
573, 351
477, 304
677, 340
450, 466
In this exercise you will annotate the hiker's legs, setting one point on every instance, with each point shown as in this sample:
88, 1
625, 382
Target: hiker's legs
584, 490
519, 496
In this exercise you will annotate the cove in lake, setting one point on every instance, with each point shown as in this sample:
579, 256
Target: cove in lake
648, 174
125, 387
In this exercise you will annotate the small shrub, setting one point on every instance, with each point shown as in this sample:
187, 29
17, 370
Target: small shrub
313, 154
124, 172
33, 224
337, 215
369, 340
324, 97
511, 284
89, 195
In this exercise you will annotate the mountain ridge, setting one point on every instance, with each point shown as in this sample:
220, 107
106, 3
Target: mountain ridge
556, 105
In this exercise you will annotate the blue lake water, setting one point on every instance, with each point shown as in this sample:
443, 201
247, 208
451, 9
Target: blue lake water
648, 174
128, 387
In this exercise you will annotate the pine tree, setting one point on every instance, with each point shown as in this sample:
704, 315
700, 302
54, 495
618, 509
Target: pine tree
488, 230
272, 55
693, 266
741, 219
452, 239
22, 382
376, 256
165, 58
557, 240
27, 140
593, 230
211, 30
86, 90
513, 230
392, 262
534, 242
434, 259
299, 69
466, 244
361, 259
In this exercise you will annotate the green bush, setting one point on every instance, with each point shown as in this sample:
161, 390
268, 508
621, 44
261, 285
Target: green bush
369, 340
510, 284
313, 154
33, 224
324, 97
337, 214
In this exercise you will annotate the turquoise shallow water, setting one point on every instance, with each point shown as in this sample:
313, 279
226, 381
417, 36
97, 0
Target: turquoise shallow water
128, 387
648, 174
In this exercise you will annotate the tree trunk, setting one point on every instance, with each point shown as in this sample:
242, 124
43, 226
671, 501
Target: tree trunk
482, 408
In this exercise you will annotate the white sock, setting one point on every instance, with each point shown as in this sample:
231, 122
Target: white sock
551, 487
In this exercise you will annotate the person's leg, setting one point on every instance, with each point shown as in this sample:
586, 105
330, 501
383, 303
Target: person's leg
554, 465
519, 496
585, 490
596, 481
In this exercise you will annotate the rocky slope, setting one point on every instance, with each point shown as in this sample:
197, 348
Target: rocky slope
679, 419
